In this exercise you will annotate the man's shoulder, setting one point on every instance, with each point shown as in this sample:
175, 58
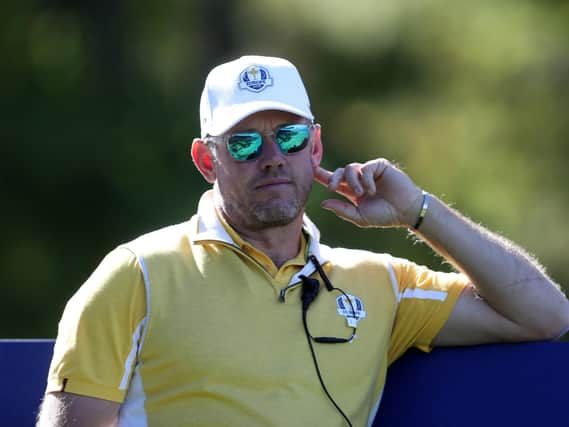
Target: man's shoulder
353, 258
172, 238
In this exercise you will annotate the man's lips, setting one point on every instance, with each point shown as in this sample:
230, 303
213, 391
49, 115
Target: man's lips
273, 183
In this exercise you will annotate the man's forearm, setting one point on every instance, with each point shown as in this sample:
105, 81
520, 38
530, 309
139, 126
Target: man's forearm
71, 410
510, 280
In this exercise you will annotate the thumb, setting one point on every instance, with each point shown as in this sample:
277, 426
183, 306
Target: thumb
322, 175
344, 210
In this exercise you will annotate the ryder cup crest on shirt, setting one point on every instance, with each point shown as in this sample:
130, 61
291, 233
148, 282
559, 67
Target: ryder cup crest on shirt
250, 84
353, 312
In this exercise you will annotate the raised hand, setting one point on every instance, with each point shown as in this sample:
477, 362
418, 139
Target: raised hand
379, 194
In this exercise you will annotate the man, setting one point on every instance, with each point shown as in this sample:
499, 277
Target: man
242, 317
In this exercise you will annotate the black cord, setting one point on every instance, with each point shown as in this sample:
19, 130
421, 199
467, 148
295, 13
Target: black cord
309, 293
330, 288
304, 311
327, 283
321, 272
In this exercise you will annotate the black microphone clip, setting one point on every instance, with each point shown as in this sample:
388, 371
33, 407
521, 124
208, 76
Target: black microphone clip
310, 288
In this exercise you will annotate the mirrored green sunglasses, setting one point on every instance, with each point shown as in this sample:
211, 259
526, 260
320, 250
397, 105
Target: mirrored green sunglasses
248, 145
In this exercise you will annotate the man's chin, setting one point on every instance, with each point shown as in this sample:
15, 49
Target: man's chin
276, 216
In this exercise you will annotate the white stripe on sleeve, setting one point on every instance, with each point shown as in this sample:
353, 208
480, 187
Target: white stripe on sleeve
425, 294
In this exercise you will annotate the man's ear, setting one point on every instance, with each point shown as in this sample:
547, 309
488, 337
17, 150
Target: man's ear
317, 149
203, 159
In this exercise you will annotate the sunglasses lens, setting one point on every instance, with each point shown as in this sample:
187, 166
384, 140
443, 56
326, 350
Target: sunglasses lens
293, 138
245, 146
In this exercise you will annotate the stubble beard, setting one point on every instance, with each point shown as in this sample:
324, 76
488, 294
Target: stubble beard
264, 214
276, 214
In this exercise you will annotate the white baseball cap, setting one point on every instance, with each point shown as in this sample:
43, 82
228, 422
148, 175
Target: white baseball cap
237, 89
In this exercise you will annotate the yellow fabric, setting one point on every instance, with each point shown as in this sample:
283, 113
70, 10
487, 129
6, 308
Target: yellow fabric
96, 330
411, 329
219, 347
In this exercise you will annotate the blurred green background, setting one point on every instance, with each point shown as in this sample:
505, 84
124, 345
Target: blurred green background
99, 104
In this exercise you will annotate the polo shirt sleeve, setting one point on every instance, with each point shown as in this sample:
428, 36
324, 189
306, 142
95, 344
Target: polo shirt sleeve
99, 332
425, 301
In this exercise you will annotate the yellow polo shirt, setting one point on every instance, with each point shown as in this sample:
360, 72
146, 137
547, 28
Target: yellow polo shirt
188, 326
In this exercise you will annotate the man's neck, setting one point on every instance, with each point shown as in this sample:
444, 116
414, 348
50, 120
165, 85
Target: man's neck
278, 243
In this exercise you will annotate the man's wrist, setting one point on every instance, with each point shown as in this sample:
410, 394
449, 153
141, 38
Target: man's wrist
423, 211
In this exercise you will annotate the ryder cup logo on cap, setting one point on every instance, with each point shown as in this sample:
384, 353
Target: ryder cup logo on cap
248, 85
255, 78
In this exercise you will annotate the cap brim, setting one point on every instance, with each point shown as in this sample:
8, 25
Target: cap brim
229, 117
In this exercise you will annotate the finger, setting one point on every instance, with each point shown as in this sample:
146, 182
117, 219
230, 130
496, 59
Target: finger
325, 177
336, 180
322, 175
372, 173
368, 180
344, 210
352, 177
379, 168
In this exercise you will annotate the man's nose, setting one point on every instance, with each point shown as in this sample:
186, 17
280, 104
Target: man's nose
271, 155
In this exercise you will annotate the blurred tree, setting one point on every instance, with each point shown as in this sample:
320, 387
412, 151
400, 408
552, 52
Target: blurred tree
100, 102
